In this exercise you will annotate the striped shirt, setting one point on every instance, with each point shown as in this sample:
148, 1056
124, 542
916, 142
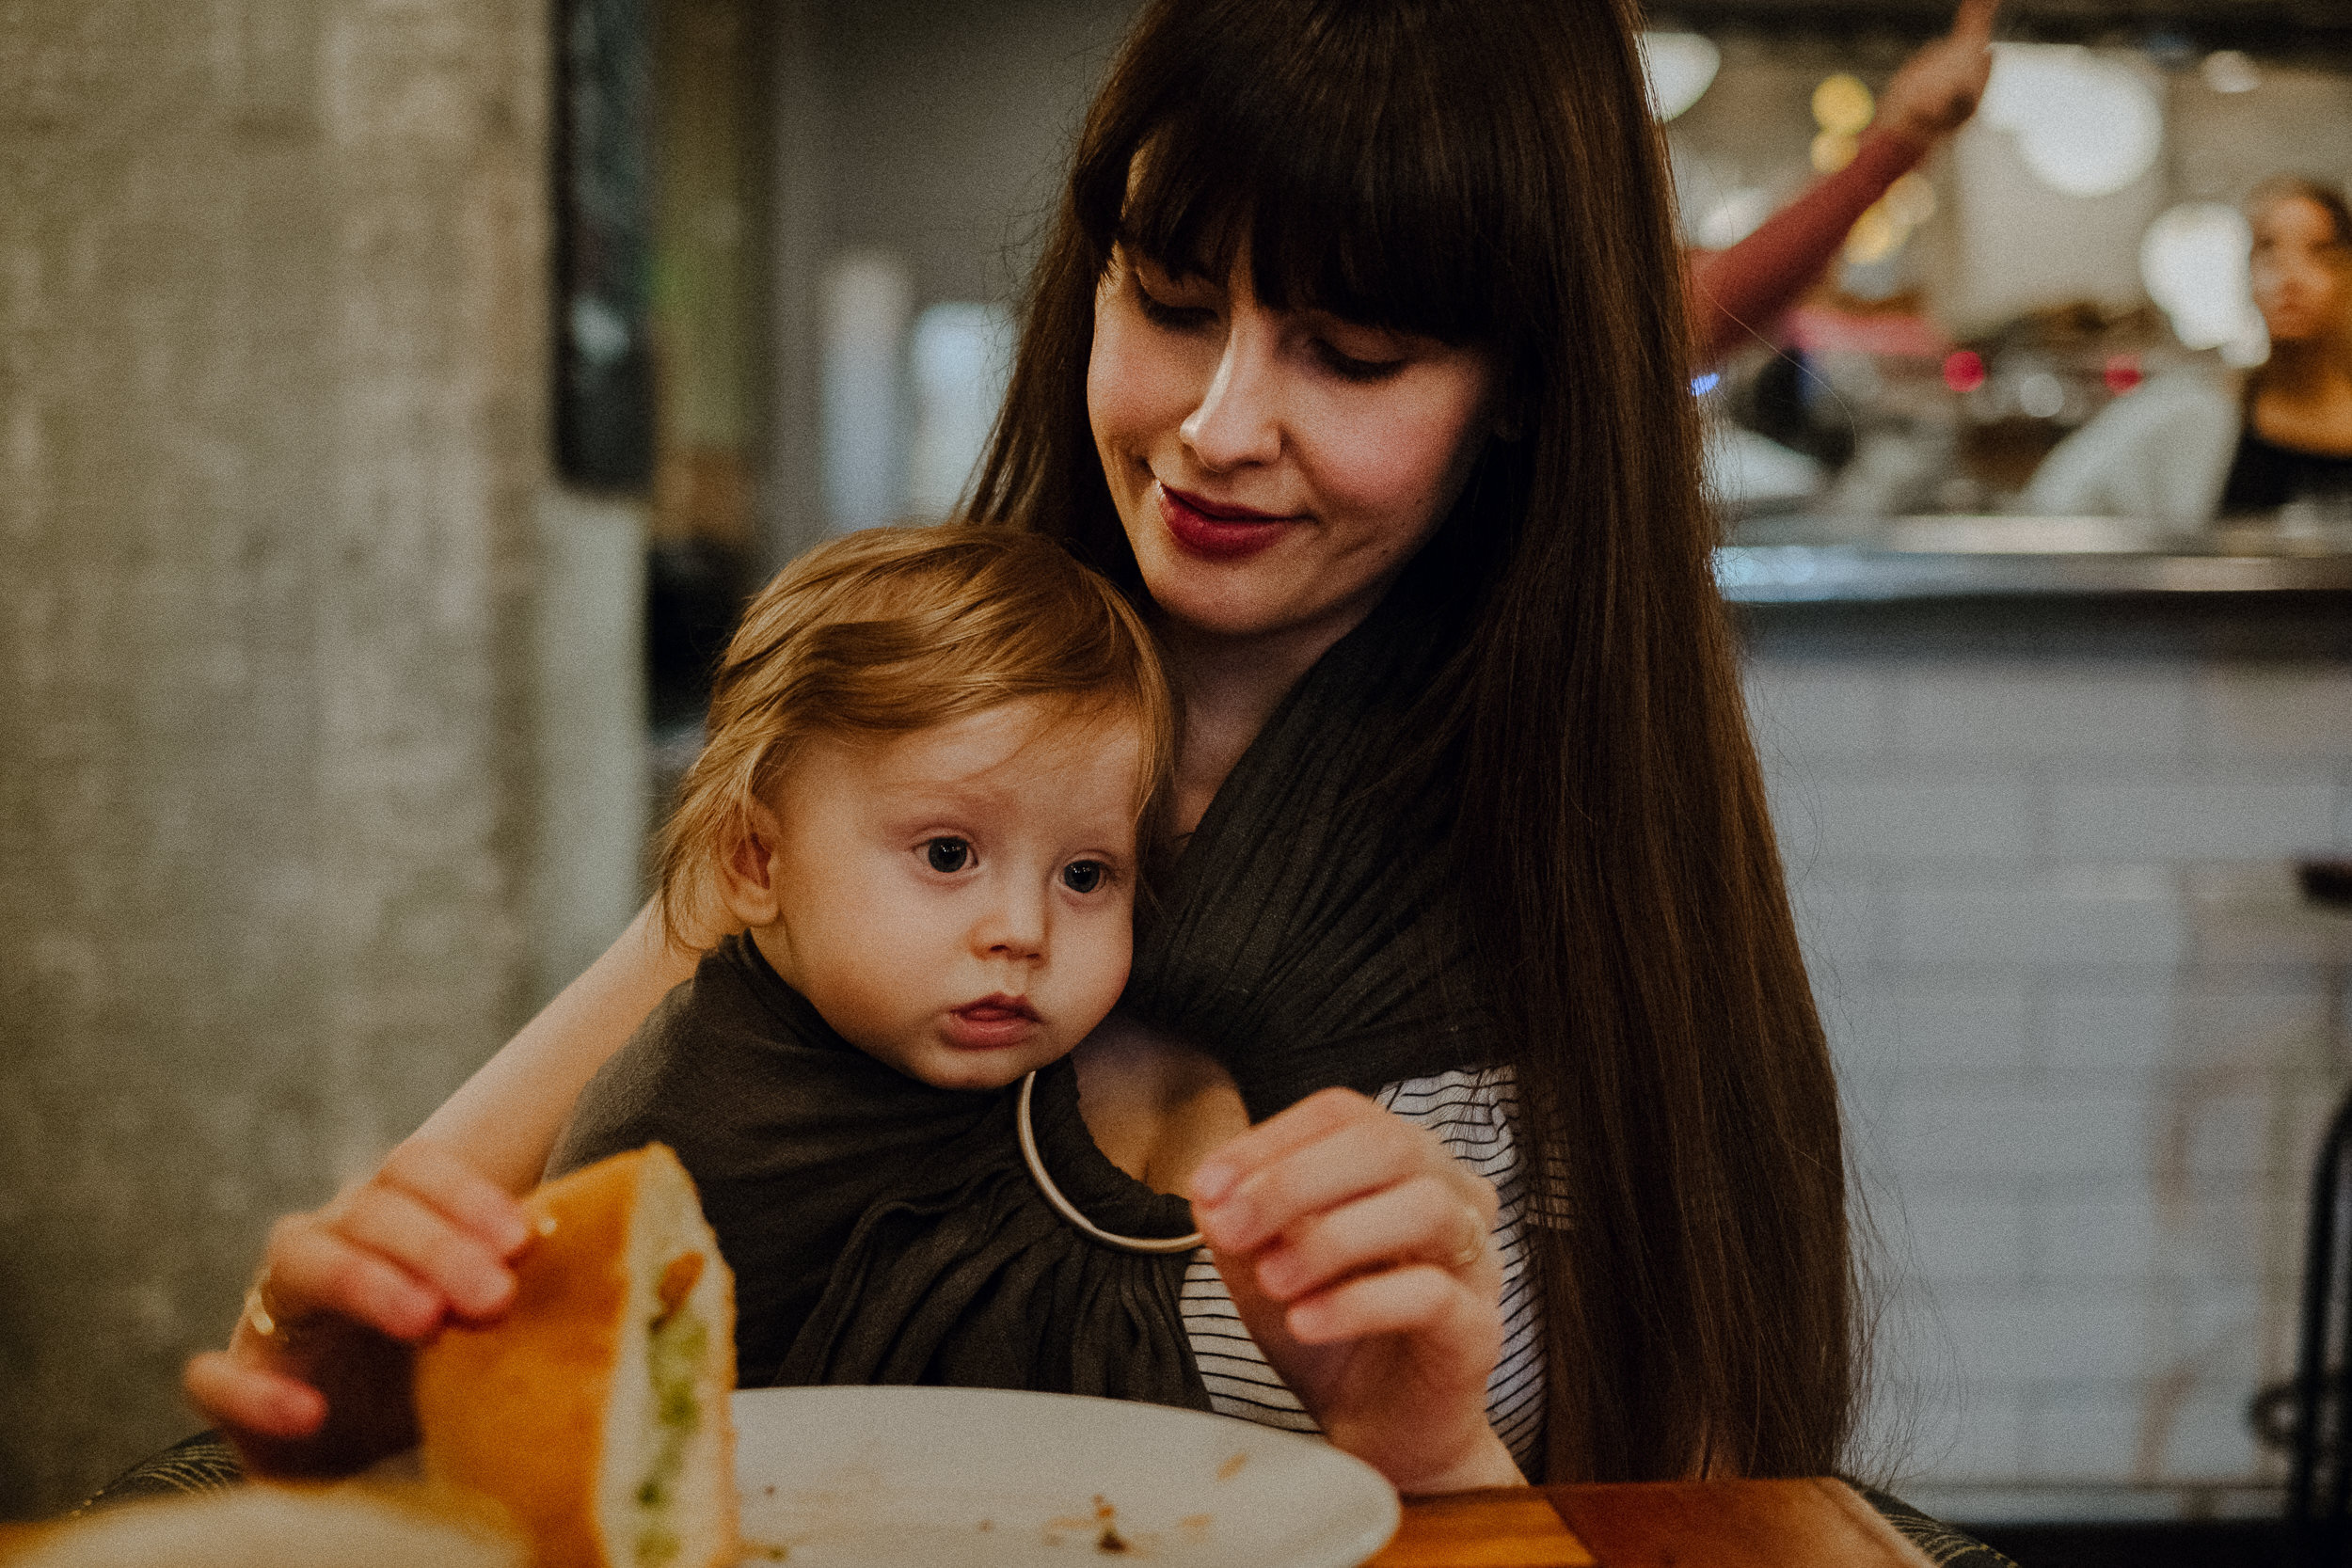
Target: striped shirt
1471, 1113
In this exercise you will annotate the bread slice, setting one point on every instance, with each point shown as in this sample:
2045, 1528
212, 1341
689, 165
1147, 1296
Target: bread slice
595, 1412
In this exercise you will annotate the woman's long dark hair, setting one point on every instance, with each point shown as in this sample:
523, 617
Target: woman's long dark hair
1485, 171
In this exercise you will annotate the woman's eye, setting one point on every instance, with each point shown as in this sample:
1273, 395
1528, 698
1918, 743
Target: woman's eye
948, 854
1349, 368
1159, 313
1083, 875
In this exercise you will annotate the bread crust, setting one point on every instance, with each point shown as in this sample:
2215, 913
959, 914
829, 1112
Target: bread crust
516, 1409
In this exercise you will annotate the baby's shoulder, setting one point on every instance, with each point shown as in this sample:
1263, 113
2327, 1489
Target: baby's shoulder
681, 1076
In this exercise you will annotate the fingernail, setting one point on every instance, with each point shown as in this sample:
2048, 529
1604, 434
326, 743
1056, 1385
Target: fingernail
1306, 1322
1213, 1182
415, 1311
297, 1412
514, 1232
488, 1292
1232, 1225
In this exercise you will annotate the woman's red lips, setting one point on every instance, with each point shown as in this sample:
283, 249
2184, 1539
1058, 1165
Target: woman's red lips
1223, 511
1217, 530
991, 1022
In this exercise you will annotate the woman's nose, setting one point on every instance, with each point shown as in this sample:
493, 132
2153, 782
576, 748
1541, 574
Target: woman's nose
1238, 420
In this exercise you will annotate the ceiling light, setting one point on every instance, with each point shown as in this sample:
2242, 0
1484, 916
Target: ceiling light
1832, 151
1680, 66
1735, 217
2085, 125
2193, 260
2231, 70
1910, 200
1874, 237
1841, 103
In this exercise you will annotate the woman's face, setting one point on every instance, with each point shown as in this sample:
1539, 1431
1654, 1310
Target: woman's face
2302, 272
1274, 470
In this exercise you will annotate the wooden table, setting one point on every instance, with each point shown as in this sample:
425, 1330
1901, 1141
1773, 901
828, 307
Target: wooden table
1716, 1524
1713, 1524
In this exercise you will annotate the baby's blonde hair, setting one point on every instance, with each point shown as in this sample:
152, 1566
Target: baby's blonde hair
896, 629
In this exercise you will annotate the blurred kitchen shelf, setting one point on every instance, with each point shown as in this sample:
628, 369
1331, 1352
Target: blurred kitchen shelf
1826, 561
2290, 27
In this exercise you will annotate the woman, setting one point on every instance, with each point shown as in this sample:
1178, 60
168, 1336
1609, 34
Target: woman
1371, 390
2183, 449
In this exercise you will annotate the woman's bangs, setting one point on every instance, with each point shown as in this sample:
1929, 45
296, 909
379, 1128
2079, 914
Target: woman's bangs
1336, 166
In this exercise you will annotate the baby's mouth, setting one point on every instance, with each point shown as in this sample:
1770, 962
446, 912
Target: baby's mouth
997, 1010
992, 1023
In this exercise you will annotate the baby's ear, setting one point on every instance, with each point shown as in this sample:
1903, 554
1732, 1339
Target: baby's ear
747, 871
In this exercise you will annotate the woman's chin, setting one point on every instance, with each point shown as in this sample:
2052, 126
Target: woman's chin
1293, 586
1227, 609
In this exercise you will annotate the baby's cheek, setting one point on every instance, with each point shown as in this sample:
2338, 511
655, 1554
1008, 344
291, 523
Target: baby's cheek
1101, 975
900, 974
884, 981
863, 1014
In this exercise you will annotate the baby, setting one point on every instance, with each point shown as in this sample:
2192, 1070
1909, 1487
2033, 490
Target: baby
933, 758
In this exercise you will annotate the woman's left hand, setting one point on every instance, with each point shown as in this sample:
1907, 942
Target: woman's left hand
1358, 1254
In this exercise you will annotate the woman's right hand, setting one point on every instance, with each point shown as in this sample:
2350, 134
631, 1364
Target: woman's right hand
315, 1379
1940, 87
1358, 1252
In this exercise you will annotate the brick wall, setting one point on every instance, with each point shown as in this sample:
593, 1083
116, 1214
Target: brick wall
272, 295
2088, 1031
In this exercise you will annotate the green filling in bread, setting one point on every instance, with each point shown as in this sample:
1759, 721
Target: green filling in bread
673, 1356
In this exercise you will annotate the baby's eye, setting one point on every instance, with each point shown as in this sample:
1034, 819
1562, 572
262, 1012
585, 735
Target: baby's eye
948, 854
1083, 875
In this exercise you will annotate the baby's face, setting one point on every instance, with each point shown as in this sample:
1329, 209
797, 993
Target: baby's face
957, 901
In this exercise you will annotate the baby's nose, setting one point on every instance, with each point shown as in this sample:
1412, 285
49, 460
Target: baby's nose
1014, 929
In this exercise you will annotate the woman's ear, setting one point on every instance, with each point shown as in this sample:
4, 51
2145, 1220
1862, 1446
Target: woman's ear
749, 882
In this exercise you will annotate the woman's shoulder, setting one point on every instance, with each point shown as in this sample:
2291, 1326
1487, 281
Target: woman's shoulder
1479, 1096
2172, 405
2160, 451
1471, 1111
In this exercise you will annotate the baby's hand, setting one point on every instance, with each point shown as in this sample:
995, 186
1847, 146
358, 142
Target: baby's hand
315, 1379
1357, 1251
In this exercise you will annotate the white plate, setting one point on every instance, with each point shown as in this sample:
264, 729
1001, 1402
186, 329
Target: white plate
946, 1477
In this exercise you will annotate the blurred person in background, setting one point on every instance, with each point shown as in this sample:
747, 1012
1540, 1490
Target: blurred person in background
1797, 431
2188, 448
1737, 293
